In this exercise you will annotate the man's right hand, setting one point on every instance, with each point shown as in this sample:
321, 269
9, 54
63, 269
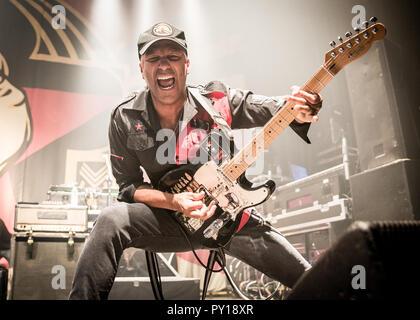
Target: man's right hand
191, 204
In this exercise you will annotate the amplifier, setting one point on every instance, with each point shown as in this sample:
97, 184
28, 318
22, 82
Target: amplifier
315, 216
55, 218
42, 264
388, 192
319, 188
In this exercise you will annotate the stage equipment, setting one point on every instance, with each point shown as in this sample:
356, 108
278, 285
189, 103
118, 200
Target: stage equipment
43, 264
54, 218
311, 202
385, 114
251, 284
139, 288
339, 153
3, 282
388, 192
93, 198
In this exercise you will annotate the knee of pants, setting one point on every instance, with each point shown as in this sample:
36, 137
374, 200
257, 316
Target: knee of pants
111, 219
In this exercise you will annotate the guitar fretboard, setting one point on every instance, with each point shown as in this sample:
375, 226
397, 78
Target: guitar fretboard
272, 129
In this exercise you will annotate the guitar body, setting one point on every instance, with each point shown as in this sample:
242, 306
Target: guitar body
231, 199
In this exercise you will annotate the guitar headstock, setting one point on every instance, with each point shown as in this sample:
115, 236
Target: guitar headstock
354, 47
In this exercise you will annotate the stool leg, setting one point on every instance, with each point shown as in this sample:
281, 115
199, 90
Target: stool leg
153, 269
210, 264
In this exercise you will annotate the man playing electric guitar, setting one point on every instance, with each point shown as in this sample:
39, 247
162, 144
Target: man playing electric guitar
145, 216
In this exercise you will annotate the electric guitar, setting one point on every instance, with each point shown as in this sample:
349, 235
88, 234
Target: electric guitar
227, 184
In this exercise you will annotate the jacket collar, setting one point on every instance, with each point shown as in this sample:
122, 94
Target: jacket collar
190, 110
140, 103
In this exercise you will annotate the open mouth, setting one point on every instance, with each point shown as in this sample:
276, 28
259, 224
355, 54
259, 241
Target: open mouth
166, 82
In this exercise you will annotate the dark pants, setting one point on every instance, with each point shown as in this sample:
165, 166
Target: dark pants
137, 225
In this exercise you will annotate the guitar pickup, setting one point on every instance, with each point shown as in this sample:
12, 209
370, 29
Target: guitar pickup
208, 198
233, 200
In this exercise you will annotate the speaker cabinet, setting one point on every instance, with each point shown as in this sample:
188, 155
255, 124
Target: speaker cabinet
372, 260
389, 192
43, 265
3, 283
385, 113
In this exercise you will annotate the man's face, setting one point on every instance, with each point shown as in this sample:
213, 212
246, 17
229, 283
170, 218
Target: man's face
164, 67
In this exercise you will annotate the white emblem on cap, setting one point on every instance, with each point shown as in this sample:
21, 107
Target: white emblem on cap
162, 29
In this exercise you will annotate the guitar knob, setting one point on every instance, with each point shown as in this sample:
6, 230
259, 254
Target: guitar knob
373, 19
348, 34
340, 39
365, 24
332, 44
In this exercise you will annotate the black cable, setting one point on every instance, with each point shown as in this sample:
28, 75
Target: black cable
274, 292
232, 283
195, 254
154, 273
223, 268
155, 260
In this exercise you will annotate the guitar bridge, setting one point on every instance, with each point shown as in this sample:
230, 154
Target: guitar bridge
233, 200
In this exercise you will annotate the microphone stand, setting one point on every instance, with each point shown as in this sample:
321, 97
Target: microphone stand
346, 160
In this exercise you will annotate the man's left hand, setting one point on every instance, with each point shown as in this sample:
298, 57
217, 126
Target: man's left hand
307, 104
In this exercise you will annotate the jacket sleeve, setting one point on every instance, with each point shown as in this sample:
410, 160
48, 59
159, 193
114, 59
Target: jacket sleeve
125, 164
250, 110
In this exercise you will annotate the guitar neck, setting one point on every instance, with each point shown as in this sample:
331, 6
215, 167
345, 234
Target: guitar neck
273, 128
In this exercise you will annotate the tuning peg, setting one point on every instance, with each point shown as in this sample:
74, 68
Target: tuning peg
365, 24
332, 44
373, 19
357, 30
348, 34
340, 39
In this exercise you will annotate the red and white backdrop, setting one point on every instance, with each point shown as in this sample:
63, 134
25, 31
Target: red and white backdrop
57, 89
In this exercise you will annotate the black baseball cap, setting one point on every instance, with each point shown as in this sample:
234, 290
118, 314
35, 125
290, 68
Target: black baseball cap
160, 31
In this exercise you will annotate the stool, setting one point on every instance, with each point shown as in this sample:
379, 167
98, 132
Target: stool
215, 255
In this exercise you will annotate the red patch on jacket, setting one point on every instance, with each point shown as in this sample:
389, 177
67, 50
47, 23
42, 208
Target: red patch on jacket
190, 138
